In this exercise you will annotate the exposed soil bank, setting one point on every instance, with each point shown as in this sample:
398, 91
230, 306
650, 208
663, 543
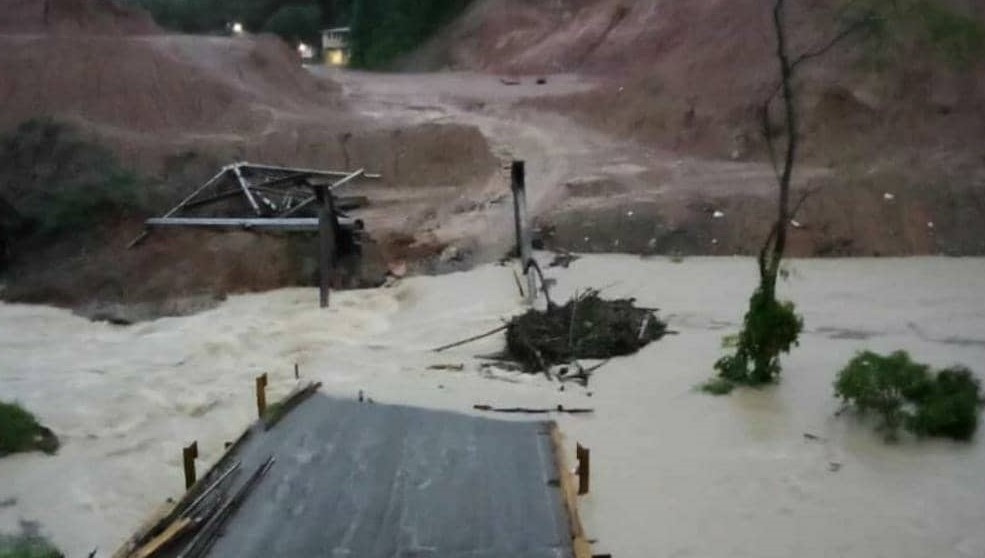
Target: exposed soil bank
176, 108
596, 192
684, 82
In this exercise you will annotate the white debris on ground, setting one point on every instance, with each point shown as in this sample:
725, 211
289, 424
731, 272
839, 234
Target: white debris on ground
675, 472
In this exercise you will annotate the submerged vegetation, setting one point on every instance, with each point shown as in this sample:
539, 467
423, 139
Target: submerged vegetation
21, 431
908, 395
27, 546
770, 328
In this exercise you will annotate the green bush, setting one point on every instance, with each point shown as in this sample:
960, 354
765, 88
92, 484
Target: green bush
958, 38
382, 30
54, 181
205, 16
950, 407
907, 394
27, 546
296, 23
883, 384
770, 328
20, 431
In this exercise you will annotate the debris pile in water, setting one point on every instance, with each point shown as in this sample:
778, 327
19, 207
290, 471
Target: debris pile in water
586, 327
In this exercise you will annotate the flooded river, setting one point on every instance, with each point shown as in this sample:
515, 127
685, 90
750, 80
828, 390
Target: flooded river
675, 472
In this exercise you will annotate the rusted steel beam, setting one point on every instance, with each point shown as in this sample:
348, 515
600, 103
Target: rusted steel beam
292, 224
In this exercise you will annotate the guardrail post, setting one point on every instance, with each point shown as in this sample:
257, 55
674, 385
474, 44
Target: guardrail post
261, 384
188, 456
584, 467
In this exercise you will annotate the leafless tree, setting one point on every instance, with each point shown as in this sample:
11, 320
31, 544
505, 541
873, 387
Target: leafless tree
773, 250
771, 328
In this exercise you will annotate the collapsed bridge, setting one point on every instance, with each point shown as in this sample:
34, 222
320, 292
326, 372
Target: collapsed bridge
260, 197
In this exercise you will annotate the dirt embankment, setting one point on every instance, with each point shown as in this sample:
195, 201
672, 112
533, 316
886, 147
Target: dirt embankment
73, 17
176, 108
689, 78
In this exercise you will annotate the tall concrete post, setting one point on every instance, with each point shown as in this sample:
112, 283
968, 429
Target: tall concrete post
326, 242
524, 237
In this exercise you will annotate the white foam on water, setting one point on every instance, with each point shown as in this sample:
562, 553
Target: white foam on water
675, 472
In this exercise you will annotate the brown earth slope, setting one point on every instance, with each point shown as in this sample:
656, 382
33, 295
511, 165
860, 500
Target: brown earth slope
691, 76
176, 108
74, 16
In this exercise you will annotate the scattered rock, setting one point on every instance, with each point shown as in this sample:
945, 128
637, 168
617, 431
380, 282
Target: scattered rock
717, 214
397, 269
450, 254
888, 197
563, 259
451, 367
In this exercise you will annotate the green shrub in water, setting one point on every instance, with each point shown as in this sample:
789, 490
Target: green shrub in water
20, 431
770, 328
27, 545
950, 407
907, 394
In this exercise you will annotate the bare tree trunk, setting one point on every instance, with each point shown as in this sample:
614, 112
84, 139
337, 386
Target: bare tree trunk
770, 268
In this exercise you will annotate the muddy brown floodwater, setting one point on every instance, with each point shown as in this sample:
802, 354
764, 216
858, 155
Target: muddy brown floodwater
676, 472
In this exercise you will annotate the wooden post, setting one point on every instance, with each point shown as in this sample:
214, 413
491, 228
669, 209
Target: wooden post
523, 233
584, 468
261, 394
188, 456
326, 241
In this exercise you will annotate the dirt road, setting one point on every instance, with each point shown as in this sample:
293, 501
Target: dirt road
590, 191
594, 192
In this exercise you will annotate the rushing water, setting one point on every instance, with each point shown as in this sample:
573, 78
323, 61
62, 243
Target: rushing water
675, 473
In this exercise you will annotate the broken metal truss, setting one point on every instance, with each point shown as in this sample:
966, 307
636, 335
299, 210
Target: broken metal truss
262, 197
